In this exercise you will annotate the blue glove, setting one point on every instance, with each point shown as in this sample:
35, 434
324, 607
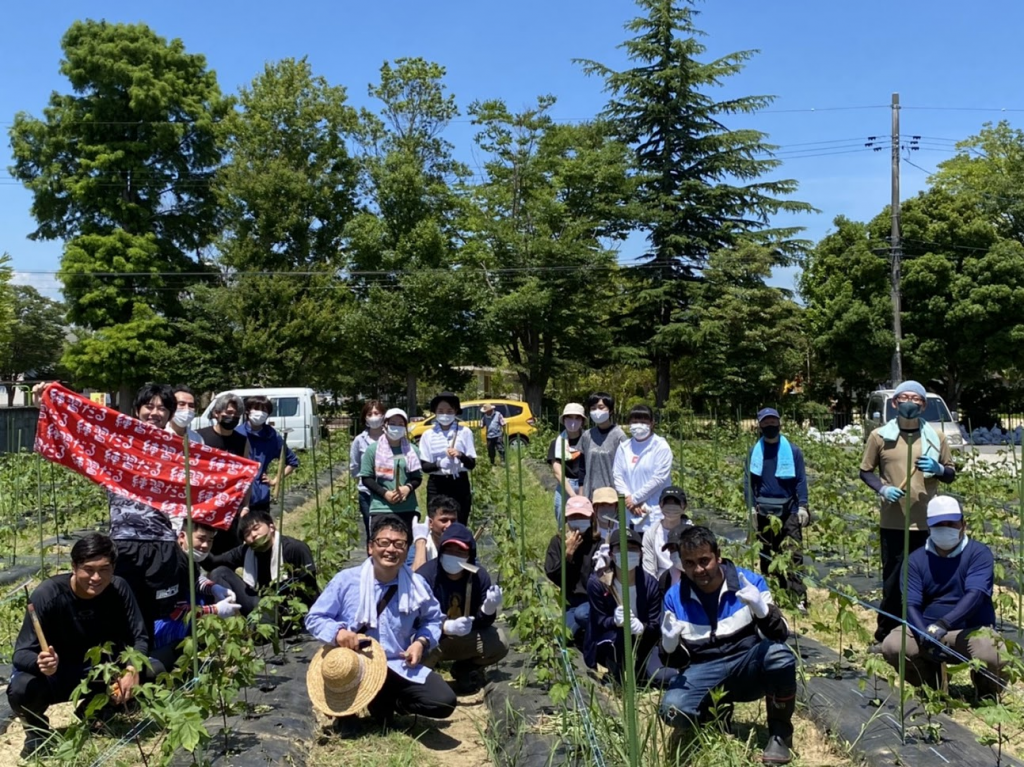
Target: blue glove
220, 593
928, 464
890, 493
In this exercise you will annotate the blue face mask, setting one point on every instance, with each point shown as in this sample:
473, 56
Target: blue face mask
908, 410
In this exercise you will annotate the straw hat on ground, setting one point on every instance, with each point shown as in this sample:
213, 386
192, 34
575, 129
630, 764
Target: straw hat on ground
342, 682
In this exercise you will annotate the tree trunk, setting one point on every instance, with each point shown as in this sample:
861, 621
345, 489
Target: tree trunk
533, 393
663, 366
410, 393
124, 399
10, 395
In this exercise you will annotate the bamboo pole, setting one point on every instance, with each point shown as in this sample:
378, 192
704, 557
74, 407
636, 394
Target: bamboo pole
629, 666
904, 577
191, 559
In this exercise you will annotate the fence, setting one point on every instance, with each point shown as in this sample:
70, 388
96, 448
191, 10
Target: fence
18, 429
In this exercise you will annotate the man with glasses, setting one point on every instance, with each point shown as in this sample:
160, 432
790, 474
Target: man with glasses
385, 600
931, 462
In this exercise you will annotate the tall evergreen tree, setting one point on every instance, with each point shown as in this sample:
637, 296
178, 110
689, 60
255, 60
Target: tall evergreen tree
701, 186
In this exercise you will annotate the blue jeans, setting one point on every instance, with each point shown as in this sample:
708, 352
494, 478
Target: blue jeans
768, 668
580, 614
575, 485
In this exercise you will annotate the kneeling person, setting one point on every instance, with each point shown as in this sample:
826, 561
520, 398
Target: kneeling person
721, 629
267, 558
470, 603
949, 603
383, 599
85, 608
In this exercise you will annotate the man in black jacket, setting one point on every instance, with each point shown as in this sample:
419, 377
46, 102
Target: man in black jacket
85, 608
470, 605
267, 559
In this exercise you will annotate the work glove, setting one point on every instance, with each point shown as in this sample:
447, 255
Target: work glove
936, 632
458, 627
929, 465
601, 558
671, 630
803, 516
420, 531
492, 601
619, 616
751, 596
890, 493
227, 608
220, 593
636, 627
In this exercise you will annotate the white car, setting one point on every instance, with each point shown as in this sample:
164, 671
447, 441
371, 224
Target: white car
881, 408
295, 410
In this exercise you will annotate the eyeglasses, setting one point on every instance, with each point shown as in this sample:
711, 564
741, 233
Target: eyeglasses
385, 543
910, 398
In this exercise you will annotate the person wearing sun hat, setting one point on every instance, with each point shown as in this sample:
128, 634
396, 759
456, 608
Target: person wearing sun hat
449, 454
493, 424
885, 451
949, 603
571, 463
582, 540
470, 603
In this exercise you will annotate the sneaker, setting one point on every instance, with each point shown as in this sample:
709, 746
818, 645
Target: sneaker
347, 727
776, 752
802, 607
468, 682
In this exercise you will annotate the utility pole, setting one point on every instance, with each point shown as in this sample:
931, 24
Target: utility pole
895, 246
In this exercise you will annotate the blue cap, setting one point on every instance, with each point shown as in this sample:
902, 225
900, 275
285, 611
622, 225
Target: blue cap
767, 412
913, 387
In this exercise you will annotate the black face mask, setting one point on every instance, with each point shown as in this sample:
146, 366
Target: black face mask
228, 421
908, 409
770, 432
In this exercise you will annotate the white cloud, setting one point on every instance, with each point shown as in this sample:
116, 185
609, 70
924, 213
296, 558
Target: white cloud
46, 283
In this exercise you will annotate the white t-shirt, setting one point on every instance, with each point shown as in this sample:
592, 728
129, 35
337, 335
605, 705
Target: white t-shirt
435, 443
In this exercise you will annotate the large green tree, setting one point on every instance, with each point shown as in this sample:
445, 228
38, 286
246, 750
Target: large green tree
542, 223
415, 317
120, 169
703, 187
36, 339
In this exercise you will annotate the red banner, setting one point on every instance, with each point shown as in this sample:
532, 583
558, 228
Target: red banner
138, 461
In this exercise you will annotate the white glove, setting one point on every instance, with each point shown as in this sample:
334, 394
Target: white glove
635, 625
752, 597
231, 596
420, 531
803, 517
492, 601
671, 629
227, 608
619, 616
601, 558
458, 627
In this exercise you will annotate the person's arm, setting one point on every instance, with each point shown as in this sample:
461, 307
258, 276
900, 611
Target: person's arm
232, 559
553, 561
872, 480
650, 556
752, 486
977, 586
414, 479
428, 629
355, 463
26, 646
138, 634
466, 447
652, 621
368, 472
327, 615
870, 460
290, 458
481, 620
915, 596
801, 476
619, 469
602, 607
946, 459
661, 472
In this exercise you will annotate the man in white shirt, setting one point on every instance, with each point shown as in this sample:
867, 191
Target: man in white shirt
643, 468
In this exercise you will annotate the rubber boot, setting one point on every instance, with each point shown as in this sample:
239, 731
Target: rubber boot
780, 728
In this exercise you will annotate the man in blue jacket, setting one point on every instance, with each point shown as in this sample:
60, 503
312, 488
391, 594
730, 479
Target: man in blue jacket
777, 489
722, 629
949, 603
265, 445
470, 604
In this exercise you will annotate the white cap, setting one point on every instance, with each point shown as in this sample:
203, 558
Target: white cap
944, 508
396, 411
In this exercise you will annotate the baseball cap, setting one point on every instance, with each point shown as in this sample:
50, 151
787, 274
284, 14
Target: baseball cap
579, 505
767, 412
675, 534
632, 537
458, 534
396, 411
944, 508
673, 491
605, 495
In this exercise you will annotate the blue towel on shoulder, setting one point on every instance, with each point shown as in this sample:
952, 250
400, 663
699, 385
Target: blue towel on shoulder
890, 432
784, 469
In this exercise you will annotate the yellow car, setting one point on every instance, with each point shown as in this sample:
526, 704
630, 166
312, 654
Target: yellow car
518, 419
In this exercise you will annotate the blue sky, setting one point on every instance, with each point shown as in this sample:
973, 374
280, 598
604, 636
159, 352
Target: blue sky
954, 70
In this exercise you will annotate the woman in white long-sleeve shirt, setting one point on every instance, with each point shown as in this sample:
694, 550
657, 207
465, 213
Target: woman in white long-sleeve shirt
643, 468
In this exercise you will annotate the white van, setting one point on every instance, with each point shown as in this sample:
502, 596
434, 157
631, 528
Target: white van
881, 408
294, 408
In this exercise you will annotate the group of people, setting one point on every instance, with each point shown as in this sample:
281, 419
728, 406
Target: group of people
697, 620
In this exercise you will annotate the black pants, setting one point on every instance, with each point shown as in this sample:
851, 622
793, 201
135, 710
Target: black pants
364, 512
433, 698
891, 547
612, 654
495, 446
151, 571
454, 487
31, 694
225, 540
245, 595
791, 537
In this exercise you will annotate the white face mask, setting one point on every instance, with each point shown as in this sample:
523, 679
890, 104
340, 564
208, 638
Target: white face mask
640, 431
184, 416
446, 419
395, 432
199, 556
374, 421
677, 563
451, 564
599, 416
945, 537
632, 559
573, 424
257, 418
577, 524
